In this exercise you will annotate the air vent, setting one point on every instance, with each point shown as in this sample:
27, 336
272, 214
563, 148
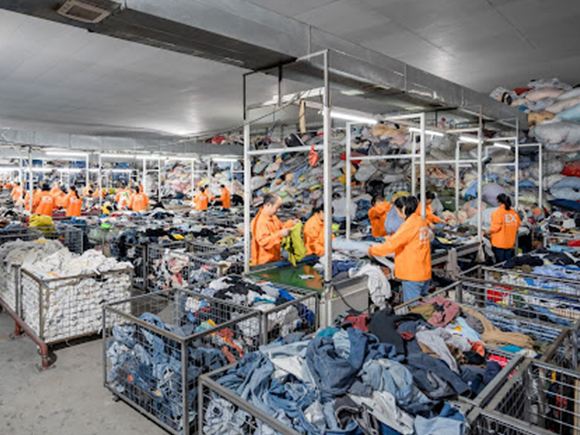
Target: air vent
85, 13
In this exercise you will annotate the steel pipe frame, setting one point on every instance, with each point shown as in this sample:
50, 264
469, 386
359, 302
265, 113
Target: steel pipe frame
327, 164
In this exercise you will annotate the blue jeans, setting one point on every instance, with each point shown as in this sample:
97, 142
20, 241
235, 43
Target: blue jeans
502, 255
414, 289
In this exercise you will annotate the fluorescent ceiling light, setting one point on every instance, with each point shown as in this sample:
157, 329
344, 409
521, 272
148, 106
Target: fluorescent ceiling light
225, 160
502, 145
67, 153
469, 139
42, 169
352, 118
93, 170
70, 170
119, 156
352, 92
431, 132
119, 171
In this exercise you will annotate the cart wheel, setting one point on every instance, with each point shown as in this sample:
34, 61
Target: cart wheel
115, 398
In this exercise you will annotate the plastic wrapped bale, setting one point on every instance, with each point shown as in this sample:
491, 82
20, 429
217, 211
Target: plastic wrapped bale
567, 188
557, 133
61, 309
157, 345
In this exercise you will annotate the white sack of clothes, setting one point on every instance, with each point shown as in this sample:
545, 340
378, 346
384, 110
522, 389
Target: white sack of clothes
491, 192
572, 114
550, 180
574, 93
543, 93
553, 166
567, 188
561, 105
557, 133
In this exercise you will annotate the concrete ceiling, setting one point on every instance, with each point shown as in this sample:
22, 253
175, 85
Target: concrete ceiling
479, 44
62, 78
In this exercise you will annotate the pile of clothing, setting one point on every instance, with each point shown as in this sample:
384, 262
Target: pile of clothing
146, 367
265, 297
13, 255
68, 290
371, 375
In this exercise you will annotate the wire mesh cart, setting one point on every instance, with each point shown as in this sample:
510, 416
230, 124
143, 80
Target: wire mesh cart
157, 345
59, 310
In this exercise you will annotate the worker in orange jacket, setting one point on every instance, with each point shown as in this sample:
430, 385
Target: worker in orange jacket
55, 189
123, 197
44, 204
412, 247
74, 203
202, 199
60, 199
17, 192
378, 215
8, 185
314, 232
139, 201
430, 217
226, 197
35, 196
505, 223
87, 191
268, 231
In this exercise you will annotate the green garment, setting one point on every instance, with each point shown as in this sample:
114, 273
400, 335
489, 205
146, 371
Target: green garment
294, 244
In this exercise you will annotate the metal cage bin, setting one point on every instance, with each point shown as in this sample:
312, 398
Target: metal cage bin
157, 345
69, 235
61, 309
539, 399
9, 277
564, 351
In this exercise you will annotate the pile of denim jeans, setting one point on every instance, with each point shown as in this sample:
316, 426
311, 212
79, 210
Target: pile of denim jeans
146, 367
347, 381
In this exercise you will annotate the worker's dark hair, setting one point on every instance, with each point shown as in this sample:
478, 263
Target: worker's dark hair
270, 198
320, 208
222, 186
137, 189
45, 188
202, 189
400, 202
502, 198
377, 198
430, 195
73, 189
411, 204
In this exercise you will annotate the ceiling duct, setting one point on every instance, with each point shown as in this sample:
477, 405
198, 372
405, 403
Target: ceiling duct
83, 12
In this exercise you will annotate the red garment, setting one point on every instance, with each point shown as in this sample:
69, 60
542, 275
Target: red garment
501, 360
356, 162
445, 311
359, 322
574, 243
520, 91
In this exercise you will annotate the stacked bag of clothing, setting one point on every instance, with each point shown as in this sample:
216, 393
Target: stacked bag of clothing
63, 295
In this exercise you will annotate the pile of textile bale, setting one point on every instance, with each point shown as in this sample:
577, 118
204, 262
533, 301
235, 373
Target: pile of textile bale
553, 109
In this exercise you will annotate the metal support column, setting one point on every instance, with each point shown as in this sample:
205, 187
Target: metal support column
423, 168
100, 181
517, 180
247, 196
541, 175
348, 178
231, 176
192, 179
87, 180
457, 183
480, 177
159, 181
209, 174
327, 177
31, 178
144, 175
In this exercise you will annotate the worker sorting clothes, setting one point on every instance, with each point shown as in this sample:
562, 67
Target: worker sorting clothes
268, 231
74, 203
44, 203
314, 232
139, 200
430, 217
393, 220
17, 192
505, 223
122, 198
202, 199
226, 197
411, 245
378, 216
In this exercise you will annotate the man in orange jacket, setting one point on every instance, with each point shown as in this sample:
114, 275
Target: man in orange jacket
55, 189
139, 201
505, 223
35, 196
202, 199
17, 192
314, 233
44, 204
60, 199
74, 203
268, 231
226, 197
378, 215
412, 247
123, 197
430, 217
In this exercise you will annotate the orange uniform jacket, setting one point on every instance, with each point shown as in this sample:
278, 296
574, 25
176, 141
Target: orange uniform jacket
412, 249
314, 236
16, 193
86, 190
60, 199
266, 238
44, 204
504, 228
226, 198
201, 200
35, 197
54, 190
139, 202
430, 218
377, 217
73, 206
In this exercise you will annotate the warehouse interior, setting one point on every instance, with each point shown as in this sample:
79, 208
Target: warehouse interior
311, 217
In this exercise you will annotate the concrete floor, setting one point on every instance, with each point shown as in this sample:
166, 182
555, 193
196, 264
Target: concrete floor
68, 399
